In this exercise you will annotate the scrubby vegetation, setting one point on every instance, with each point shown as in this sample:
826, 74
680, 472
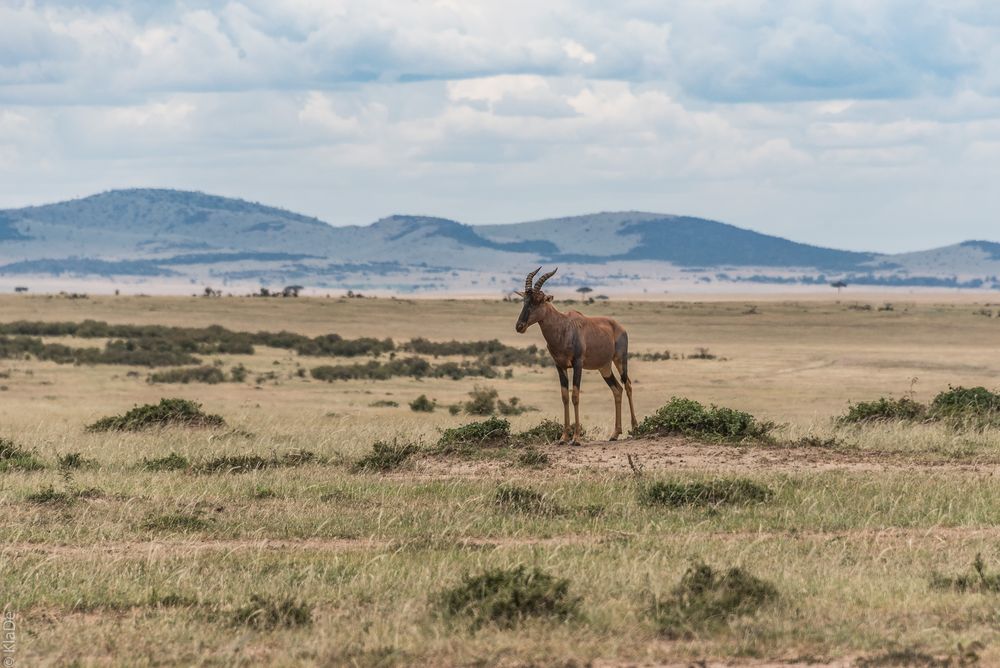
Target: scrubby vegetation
705, 599
974, 407
244, 463
687, 417
53, 497
884, 410
414, 367
172, 462
721, 491
491, 352
977, 580
422, 404
167, 413
546, 431
264, 614
507, 596
175, 522
958, 407
199, 374
494, 432
385, 456
518, 499
74, 460
487, 401
151, 353
14, 458
158, 345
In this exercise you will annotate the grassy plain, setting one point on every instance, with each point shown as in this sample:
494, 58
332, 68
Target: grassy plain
111, 563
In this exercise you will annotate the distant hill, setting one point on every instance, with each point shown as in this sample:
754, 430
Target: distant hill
148, 234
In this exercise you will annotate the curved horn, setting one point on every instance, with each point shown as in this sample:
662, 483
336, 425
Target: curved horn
541, 281
527, 281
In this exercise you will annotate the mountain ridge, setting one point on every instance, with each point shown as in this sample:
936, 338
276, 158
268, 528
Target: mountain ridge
150, 232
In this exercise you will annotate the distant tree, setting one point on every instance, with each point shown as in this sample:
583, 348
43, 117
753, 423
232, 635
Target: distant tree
840, 285
291, 291
584, 290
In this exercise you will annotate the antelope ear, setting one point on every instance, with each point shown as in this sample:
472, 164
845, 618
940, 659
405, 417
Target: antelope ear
548, 298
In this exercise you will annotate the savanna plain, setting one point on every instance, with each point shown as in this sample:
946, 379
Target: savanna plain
812, 484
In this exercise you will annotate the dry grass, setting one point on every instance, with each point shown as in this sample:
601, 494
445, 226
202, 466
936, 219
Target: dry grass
131, 564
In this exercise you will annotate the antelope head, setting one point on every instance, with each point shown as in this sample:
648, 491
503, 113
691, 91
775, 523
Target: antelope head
534, 300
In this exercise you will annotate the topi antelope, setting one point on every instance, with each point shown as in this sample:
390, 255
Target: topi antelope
578, 342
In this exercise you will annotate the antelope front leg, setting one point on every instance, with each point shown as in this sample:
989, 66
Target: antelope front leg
564, 385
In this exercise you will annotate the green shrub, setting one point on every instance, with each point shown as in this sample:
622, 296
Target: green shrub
705, 599
198, 374
884, 410
973, 407
513, 407
172, 462
506, 597
385, 457
712, 492
483, 401
14, 458
547, 431
169, 412
494, 432
958, 407
238, 373
689, 418
266, 614
384, 403
422, 404
976, 581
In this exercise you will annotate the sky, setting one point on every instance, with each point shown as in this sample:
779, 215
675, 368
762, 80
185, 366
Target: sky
860, 124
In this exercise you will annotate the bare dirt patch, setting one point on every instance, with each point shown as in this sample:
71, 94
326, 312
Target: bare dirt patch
681, 454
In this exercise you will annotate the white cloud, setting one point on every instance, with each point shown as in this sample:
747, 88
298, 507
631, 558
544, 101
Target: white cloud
754, 112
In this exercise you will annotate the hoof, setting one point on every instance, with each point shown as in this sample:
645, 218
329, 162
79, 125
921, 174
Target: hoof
614, 438
575, 442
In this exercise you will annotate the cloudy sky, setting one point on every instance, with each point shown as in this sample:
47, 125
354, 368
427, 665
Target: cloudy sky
866, 124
